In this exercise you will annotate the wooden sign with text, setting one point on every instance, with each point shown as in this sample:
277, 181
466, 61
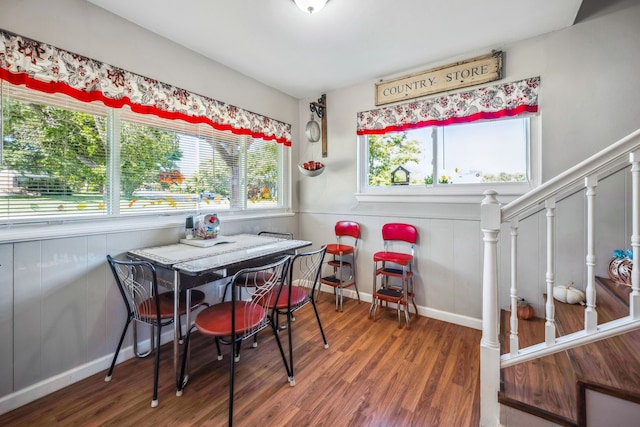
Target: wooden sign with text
471, 72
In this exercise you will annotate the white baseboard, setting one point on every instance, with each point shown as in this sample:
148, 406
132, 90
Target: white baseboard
58, 382
445, 316
34, 392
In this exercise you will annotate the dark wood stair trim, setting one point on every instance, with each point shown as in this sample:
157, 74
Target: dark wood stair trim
536, 411
583, 386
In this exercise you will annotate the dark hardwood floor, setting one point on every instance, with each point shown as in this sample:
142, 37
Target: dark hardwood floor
372, 374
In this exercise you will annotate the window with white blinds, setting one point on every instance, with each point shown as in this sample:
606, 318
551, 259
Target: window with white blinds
64, 158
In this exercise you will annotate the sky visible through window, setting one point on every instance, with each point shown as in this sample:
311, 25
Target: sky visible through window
466, 152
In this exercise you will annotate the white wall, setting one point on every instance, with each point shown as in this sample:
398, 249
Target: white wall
588, 100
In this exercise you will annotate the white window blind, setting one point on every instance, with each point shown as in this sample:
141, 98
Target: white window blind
62, 157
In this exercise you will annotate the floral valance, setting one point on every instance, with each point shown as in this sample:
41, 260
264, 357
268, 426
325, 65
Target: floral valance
46, 68
507, 99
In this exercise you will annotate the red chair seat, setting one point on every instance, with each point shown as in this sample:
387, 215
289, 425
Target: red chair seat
395, 257
298, 295
337, 249
147, 309
216, 320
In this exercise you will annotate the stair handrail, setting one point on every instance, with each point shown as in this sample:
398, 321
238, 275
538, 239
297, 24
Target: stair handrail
599, 164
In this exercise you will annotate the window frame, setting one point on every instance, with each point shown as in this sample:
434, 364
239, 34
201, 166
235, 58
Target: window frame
444, 193
111, 193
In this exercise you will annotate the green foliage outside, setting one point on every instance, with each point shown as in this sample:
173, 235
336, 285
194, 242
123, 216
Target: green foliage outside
443, 180
505, 177
145, 153
213, 175
60, 156
388, 151
262, 172
69, 149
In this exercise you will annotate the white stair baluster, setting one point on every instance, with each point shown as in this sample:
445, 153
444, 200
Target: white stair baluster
550, 324
634, 297
513, 338
590, 314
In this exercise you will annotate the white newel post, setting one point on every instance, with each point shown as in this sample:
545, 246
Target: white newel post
489, 345
634, 298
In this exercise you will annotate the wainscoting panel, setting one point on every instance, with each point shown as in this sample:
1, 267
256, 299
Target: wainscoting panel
61, 314
6, 319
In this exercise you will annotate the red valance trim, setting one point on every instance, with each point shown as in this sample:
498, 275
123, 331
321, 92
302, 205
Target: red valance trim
57, 87
453, 120
483, 103
48, 69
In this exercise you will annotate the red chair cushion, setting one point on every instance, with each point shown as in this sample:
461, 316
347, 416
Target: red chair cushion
395, 257
347, 228
399, 231
216, 320
147, 309
298, 295
336, 249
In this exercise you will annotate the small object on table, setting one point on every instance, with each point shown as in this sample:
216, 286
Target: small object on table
207, 226
188, 227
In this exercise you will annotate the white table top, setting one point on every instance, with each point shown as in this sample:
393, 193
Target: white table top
235, 249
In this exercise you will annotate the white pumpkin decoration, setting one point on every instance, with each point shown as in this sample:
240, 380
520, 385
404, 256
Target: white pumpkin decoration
568, 294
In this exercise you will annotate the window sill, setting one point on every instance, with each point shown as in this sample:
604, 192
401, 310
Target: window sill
55, 229
459, 193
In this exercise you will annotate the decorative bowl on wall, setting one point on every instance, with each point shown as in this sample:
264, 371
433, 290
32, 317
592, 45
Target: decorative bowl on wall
314, 169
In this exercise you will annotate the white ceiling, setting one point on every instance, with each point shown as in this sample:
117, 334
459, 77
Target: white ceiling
347, 42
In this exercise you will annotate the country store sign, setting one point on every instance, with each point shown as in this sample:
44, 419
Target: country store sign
471, 72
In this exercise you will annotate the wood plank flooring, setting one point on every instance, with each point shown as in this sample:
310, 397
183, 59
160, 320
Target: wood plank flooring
372, 374
544, 387
553, 387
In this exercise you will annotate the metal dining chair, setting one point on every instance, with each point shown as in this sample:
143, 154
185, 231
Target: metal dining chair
232, 322
138, 285
301, 288
276, 234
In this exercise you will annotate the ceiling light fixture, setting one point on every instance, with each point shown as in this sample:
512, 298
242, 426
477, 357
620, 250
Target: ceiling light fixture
310, 6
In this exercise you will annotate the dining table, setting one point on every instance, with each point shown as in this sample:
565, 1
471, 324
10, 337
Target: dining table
195, 262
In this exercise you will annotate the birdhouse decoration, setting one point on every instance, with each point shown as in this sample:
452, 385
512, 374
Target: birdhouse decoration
400, 176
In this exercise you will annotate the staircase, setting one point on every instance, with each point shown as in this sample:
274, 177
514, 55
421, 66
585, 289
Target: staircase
550, 366
554, 387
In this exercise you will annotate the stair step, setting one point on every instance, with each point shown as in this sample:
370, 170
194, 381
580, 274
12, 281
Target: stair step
552, 387
544, 387
613, 363
620, 291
